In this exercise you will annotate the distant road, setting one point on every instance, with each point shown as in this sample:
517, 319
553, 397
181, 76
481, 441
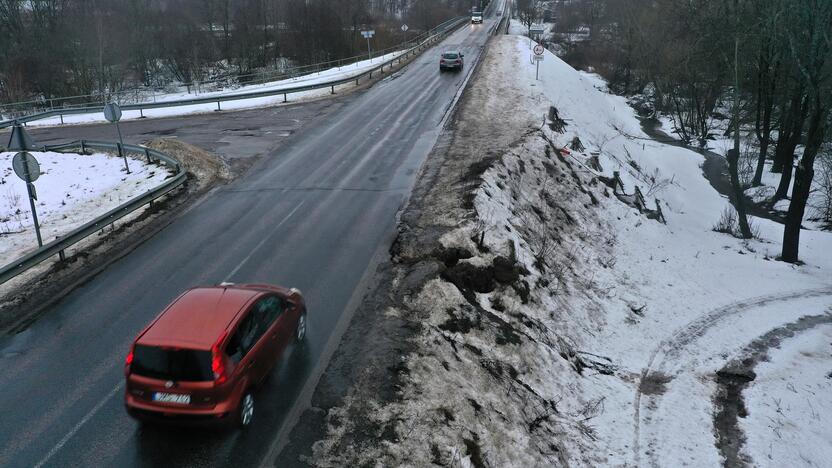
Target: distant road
312, 213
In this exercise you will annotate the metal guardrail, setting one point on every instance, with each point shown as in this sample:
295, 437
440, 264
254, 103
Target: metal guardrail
438, 32
57, 246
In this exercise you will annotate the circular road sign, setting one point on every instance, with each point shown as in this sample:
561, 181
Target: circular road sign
538, 49
112, 112
26, 167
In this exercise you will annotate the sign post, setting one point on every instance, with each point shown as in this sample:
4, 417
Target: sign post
367, 35
404, 30
112, 112
27, 168
538, 57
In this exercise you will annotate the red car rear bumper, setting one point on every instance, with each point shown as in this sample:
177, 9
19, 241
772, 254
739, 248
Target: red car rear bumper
220, 414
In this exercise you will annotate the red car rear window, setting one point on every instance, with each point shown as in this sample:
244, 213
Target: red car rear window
172, 364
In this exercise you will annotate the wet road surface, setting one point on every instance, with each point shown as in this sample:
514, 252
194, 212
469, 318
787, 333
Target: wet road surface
312, 214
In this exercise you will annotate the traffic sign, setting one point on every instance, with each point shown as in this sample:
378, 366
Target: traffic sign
368, 34
536, 29
404, 27
26, 167
19, 139
538, 50
112, 112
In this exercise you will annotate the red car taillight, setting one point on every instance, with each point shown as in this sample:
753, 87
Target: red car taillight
218, 363
128, 360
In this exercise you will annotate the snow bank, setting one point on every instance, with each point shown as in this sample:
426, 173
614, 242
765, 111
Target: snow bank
72, 190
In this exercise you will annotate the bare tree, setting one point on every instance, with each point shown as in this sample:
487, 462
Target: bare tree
811, 42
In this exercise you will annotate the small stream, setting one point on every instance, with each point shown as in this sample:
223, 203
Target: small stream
715, 169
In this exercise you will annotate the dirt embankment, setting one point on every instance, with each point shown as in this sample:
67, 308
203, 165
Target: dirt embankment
206, 168
25, 297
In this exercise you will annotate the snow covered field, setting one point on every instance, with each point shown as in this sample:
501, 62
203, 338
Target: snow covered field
606, 350
345, 71
72, 190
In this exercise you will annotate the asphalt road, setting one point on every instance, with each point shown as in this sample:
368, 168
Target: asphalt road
311, 214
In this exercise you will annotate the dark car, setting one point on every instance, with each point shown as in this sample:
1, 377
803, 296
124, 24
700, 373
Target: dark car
451, 60
200, 360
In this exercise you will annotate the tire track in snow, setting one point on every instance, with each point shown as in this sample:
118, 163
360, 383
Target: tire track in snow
673, 345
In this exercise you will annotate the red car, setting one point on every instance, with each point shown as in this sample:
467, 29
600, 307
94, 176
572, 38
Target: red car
201, 358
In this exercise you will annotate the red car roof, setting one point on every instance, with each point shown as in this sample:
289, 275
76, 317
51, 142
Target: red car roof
198, 317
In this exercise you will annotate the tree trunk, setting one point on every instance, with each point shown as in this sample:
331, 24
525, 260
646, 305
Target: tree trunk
739, 196
788, 123
803, 184
788, 148
761, 160
734, 154
765, 108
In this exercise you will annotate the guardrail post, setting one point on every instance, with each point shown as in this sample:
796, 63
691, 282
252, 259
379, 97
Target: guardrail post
141, 113
284, 97
333, 89
147, 154
83, 147
218, 107
62, 118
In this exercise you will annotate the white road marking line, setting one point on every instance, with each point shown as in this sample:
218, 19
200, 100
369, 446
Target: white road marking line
78, 426
265, 239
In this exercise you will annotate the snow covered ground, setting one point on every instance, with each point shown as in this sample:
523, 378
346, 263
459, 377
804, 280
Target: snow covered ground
345, 71
788, 415
700, 295
721, 144
72, 190
605, 351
